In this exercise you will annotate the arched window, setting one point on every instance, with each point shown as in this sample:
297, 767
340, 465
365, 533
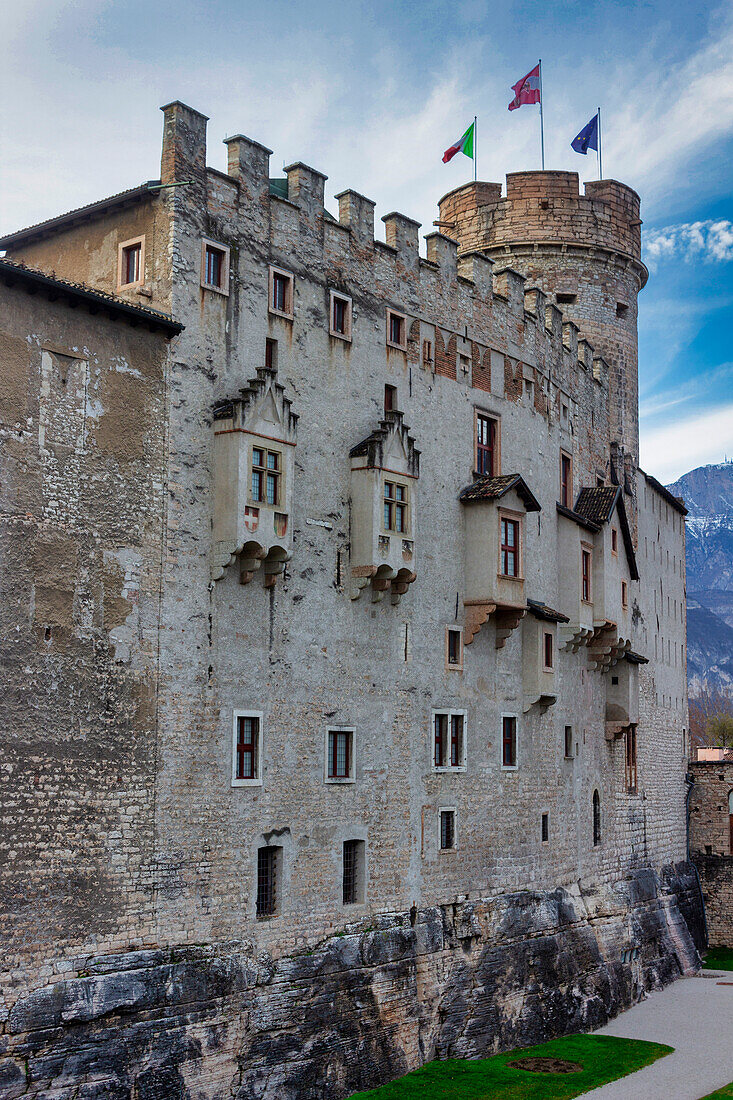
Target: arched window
596, 819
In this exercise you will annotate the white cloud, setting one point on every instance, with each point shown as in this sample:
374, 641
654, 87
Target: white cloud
680, 445
705, 240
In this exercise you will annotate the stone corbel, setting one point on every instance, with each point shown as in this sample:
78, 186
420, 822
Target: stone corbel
477, 613
275, 564
361, 575
507, 621
251, 557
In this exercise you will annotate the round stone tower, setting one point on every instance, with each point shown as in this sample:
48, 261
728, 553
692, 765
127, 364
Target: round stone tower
583, 251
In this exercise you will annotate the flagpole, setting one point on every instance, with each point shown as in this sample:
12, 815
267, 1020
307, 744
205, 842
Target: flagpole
475, 148
542, 121
600, 153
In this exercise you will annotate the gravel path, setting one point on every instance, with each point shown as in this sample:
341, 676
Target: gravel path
693, 1015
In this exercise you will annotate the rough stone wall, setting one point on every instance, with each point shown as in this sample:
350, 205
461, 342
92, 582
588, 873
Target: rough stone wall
716, 877
357, 1009
711, 844
82, 471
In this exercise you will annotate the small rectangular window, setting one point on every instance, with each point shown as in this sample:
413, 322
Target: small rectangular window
568, 742
447, 830
266, 474
449, 733
131, 262
281, 293
624, 594
486, 435
548, 646
214, 266
614, 541
545, 828
396, 330
454, 647
268, 869
340, 754
246, 749
427, 354
566, 480
509, 741
340, 316
395, 507
390, 398
586, 575
631, 776
565, 299
509, 547
353, 873
271, 354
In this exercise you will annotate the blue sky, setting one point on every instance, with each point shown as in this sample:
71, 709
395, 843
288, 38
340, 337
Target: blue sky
373, 92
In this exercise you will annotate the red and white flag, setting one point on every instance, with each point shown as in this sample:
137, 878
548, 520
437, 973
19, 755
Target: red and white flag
527, 90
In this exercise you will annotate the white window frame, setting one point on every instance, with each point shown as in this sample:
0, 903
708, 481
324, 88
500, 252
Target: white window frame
448, 810
237, 713
450, 712
120, 260
458, 667
336, 780
391, 343
347, 301
208, 242
508, 767
286, 314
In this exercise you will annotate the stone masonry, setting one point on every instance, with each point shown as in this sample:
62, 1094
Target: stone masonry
711, 843
214, 900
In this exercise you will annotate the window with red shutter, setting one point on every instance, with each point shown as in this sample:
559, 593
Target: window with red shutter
509, 741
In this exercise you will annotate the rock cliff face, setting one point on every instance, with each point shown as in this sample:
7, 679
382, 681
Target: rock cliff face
708, 494
459, 980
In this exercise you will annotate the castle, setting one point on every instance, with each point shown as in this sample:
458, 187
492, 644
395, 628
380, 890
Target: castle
344, 638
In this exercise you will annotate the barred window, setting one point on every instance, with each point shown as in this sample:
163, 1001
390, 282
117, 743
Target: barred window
268, 868
340, 754
509, 741
353, 872
447, 829
248, 732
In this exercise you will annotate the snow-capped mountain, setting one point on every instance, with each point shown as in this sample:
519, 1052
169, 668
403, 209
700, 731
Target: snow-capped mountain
708, 495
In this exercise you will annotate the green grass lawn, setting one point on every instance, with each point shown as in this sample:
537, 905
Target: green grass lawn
603, 1058
719, 958
727, 1090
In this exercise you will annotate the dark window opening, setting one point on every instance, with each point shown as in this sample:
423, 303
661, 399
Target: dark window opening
447, 829
248, 734
548, 650
621, 309
568, 742
456, 740
454, 646
545, 827
268, 861
624, 594
214, 273
427, 353
271, 354
509, 741
353, 872
614, 540
281, 285
441, 735
596, 819
631, 772
390, 398
340, 752
340, 315
565, 299
131, 257
485, 445
396, 329
566, 481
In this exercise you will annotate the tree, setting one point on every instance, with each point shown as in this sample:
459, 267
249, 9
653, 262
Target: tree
711, 718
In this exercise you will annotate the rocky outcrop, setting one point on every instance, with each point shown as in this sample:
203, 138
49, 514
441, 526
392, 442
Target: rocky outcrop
457, 980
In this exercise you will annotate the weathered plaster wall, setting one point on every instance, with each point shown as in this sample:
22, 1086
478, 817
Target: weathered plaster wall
82, 473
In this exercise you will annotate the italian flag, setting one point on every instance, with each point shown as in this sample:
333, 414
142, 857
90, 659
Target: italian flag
463, 145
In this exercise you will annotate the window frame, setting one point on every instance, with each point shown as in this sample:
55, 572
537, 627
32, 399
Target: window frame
544, 827
334, 296
614, 541
288, 313
277, 856
427, 361
515, 766
514, 517
454, 666
449, 713
631, 759
494, 450
265, 470
586, 549
597, 819
566, 487
395, 480
547, 635
447, 810
237, 713
358, 846
207, 243
401, 346
340, 780
121, 248
568, 755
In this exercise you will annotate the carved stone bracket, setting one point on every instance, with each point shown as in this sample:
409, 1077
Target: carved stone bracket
382, 579
478, 612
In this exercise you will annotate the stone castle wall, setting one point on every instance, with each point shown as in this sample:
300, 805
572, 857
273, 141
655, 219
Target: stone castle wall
711, 844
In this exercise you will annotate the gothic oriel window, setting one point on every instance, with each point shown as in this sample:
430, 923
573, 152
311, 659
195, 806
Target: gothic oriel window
266, 473
509, 548
395, 507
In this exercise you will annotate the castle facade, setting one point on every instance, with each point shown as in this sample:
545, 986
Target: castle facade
368, 667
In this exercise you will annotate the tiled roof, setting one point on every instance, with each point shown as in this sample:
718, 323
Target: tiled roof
635, 658
81, 213
576, 518
597, 503
492, 488
13, 273
548, 614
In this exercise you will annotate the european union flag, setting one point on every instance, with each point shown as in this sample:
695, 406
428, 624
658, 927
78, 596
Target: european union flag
587, 138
